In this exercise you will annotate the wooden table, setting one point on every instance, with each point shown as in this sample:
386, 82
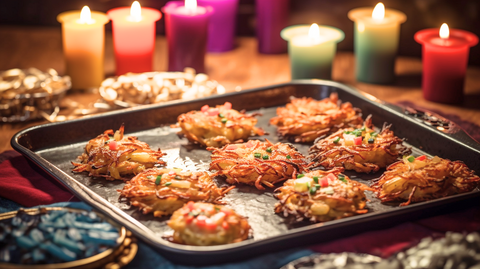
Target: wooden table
241, 68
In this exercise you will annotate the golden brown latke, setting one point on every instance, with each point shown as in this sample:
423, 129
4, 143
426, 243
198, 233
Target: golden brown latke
321, 196
216, 127
424, 178
162, 191
113, 156
203, 224
305, 119
362, 150
257, 162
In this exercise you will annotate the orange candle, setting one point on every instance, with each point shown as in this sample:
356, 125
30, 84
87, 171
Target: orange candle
134, 37
83, 46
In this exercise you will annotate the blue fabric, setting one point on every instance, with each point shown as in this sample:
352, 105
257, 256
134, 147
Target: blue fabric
149, 258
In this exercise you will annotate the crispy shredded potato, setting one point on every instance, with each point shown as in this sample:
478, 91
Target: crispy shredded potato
218, 126
362, 150
424, 178
162, 191
203, 224
305, 119
257, 163
114, 156
321, 196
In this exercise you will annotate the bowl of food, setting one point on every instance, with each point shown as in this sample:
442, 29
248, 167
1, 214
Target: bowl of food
27, 94
61, 237
134, 89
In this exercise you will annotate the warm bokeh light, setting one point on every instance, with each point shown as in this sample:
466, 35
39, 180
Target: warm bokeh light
314, 32
191, 4
86, 16
378, 12
444, 31
136, 11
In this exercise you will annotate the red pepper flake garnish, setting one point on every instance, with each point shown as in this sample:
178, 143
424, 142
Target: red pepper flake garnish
225, 225
213, 112
323, 182
227, 105
210, 224
331, 177
113, 145
205, 108
190, 205
421, 158
189, 219
358, 140
201, 220
226, 211
231, 147
249, 144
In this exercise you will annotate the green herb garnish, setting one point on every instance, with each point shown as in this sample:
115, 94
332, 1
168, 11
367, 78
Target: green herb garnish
159, 178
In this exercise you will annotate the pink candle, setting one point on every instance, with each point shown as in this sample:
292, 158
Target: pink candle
134, 37
186, 28
445, 59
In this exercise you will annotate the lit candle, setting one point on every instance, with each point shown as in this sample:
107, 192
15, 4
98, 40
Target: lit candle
186, 27
133, 37
312, 49
376, 35
221, 30
272, 17
445, 60
83, 46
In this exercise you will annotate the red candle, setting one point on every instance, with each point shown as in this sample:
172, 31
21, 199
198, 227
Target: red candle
134, 37
186, 26
445, 59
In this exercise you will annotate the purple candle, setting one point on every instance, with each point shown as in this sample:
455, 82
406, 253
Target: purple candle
186, 28
272, 17
221, 31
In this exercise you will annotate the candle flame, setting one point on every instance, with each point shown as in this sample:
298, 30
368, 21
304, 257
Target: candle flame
191, 5
444, 31
86, 16
136, 11
314, 32
378, 12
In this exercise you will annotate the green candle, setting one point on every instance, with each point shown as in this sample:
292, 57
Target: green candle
376, 37
311, 50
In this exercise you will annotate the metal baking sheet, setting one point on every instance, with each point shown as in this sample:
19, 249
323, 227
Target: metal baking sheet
53, 146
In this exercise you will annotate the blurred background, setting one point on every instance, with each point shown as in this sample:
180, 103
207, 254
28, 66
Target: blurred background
421, 14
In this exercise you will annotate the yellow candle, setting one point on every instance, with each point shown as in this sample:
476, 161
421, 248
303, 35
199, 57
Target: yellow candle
83, 46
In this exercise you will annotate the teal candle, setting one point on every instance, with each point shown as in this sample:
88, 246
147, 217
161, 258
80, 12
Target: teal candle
311, 50
376, 35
